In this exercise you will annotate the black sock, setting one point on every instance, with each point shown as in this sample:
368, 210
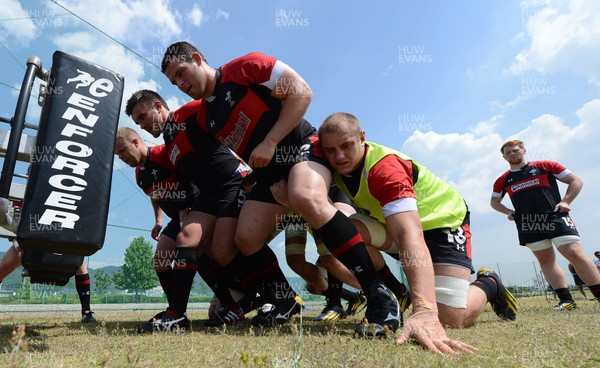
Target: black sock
268, 271
333, 294
595, 289
564, 295
184, 270
488, 285
165, 278
214, 276
82, 284
242, 275
388, 278
344, 242
349, 296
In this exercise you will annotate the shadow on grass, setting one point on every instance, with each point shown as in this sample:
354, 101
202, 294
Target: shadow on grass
308, 326
12, 338
36, 333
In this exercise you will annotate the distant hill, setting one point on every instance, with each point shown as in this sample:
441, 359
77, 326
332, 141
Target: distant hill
14, 280
108, 269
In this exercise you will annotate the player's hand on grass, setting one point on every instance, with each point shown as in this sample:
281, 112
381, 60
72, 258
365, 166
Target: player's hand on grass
426, 329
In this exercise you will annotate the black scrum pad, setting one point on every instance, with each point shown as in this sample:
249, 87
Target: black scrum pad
51, 262
66, 202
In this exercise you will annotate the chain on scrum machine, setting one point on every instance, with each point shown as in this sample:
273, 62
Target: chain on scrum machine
59, 216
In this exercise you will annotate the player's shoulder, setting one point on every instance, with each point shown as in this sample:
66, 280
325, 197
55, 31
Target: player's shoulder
248, 67
191, 108
159, 157
547, 165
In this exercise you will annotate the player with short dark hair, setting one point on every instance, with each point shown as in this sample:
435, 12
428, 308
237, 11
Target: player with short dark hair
257, 104
218, 173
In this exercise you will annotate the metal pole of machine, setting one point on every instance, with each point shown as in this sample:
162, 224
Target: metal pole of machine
34, 69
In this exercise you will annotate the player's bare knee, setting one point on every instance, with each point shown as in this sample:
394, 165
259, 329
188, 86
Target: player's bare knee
452, 318
313, 289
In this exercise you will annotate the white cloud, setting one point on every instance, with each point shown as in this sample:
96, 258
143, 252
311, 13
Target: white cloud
467, 161
487, 127
499, 106
563, 36
222, 14
196, 16
131, 22
94, 48
17, 23
471, 162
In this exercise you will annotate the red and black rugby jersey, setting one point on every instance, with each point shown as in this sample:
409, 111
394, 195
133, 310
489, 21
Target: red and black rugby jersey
157, 179
242, 110
196, 155
533, 188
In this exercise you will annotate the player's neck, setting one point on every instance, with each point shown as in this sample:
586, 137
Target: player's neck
518, 166
211, 83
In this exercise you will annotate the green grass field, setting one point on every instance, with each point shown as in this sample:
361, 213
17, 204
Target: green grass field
540, 337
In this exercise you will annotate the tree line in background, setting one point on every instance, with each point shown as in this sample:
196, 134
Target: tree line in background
136, 276
133, 279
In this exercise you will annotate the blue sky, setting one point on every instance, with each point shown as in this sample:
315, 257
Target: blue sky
446, 82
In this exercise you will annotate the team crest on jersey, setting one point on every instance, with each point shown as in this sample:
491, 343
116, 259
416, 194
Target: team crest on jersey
229, 99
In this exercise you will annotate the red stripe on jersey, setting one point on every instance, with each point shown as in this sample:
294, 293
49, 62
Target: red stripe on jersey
550, 166
317, 150
467, 230
179, 148
390, 179
252, 68
158, 173
158, 154
533, 182
499, 183
184, 112
356, 239
242, 121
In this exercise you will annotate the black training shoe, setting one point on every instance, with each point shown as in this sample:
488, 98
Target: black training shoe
287, 309
331, 313
265, 316
358, 305
88, 317
270, 315
383, 312
504, 303
165, 322
228, 314
404, 301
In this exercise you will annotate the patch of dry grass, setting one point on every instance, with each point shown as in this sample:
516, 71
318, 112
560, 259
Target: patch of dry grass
540, 337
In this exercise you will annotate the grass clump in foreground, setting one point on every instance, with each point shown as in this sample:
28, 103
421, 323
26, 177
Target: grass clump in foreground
540, 337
